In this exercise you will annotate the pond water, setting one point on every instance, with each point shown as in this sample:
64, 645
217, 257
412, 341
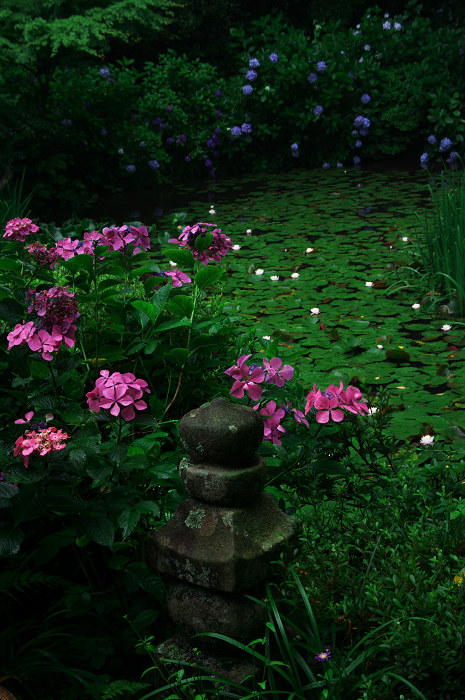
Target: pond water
335, 239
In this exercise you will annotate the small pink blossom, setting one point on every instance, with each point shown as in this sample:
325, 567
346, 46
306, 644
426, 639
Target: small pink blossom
40, 442
28, 417
235, 370
118, 392
66, 248
273, 430
178, 278
276, 373
217, 249
17, 229
248, 381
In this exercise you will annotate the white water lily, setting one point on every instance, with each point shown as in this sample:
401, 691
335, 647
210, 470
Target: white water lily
415, 306
315, 311
310, 250
249, 231
173, 264
380, 347
236, 247
212, 211
405, 238
373, 410
259, 271
427, 439
446, 327
369, 284
266, 337
275, 278
295, 275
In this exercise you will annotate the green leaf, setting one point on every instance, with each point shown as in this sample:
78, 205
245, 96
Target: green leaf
168, 325
178, 356
11, 538
144, 619
180, 305
101, 530
160, 297
39, 369
204, 241
128, 521
208, 276
147, 308
181, 256
7, 491
11, 311
9, 264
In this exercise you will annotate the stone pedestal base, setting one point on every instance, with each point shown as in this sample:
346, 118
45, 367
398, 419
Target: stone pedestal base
179, 652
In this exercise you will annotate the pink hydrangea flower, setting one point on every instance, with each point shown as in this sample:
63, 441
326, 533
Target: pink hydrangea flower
66, 248
217, 249
178, 278
273, 430
329, 403
276, 373
250, 381
235, 370
17, 229
40, 442
120, 393
44, 255
28, 417
20, 334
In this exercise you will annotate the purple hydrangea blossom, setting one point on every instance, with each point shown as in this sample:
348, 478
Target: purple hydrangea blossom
357, 160
387, 25
187, 159
254, 63
318, 110
366, 123
367, 47
169, 140
424, 159
130, 169
397, 26
432, 139
169, 108
445, 144
358, 121
358, 143
246, 128
326, 166
247, 89
103, 132
120, 151
104, 72
339, 164
312, 78
321, 66
363, 132
218, 93
365, 98
251, 75
273, 57
154, 164
236, 131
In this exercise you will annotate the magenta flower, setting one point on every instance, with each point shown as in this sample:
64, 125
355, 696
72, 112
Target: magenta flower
217, 249
28, 417
120, 393
235, 370
327, 407
276, 373
178, 278
41, 442
299, 416
66, 248
43, 255
273, 430
248, 381
20, 334
324, 655
329, 403
17, 229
